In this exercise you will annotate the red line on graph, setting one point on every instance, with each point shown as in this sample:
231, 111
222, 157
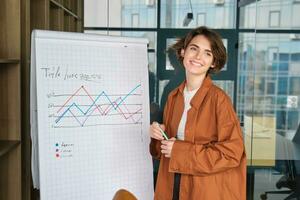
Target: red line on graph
82, 87
92, 99
111, 106
134, 113
131, 114
128, 113
120, 111
100, 109
69, 99
75, 117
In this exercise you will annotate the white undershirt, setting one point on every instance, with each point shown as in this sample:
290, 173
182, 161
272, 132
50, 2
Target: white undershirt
188, 95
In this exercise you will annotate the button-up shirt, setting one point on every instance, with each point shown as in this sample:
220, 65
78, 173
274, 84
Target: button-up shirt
211, 158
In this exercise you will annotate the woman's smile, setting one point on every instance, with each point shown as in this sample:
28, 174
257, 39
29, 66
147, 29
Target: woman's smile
196, 63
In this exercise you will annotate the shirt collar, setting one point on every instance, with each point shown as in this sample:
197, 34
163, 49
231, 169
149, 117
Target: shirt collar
200, 94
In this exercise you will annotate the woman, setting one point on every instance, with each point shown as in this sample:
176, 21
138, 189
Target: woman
204, 157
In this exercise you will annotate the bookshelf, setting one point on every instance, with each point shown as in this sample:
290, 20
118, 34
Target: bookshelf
17, 19
10, 100
6, 146
58, 15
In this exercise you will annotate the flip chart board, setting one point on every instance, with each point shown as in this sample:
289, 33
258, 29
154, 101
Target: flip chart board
89, 116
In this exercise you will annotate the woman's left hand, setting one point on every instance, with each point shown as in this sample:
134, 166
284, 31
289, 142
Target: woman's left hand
166, 147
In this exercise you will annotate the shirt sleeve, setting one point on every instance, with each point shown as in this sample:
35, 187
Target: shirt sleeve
219, 156
155, 149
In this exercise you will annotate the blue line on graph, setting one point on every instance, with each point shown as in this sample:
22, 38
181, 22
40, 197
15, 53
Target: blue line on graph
102, 93
57, 120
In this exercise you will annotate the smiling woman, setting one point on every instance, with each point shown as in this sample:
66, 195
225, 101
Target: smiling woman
210, 42
204, 157
197, 56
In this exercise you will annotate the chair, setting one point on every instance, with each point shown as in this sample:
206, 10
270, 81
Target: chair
291, 179
124, 195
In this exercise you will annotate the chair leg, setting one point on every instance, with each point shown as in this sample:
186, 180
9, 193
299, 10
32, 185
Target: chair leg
292, 196
264, 195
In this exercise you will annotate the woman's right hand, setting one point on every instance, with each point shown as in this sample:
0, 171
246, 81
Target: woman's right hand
155, 132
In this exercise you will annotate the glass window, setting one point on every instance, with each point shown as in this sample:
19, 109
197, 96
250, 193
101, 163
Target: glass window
259, 60
163, 92
283, 66
152, 76
270, 14
170, 62
227, 86
292, 119
120, 13
201, 19
274, 19
295, 15
225, 42
135, 20
272, 53
151, 36
295, 85
282, 85
270, 88
292, 101
215, 14
268, 102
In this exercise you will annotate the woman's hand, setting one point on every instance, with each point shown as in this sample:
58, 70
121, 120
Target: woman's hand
167, 146
155, 132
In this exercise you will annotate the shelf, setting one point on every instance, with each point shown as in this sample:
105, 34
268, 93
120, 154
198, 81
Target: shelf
7, 145
68, 11
9, 61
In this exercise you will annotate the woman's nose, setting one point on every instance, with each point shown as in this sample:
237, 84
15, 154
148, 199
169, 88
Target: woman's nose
199, 55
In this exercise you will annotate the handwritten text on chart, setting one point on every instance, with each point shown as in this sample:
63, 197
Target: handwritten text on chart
64, 150
57, 73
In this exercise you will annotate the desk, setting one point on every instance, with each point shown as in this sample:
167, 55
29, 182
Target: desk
264, 146
265, 151
286, 149
260, 140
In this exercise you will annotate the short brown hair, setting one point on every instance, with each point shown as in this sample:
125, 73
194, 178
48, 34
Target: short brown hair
217, 47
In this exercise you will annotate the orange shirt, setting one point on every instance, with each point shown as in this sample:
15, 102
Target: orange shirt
211, 159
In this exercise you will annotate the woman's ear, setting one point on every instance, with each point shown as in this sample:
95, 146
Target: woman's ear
182, 52
212, 66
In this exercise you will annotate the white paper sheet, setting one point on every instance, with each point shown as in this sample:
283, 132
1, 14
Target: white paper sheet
92, 106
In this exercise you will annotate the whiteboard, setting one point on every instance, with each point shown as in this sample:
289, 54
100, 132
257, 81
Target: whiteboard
89, 116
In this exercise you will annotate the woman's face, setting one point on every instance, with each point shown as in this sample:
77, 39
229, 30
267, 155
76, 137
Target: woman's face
197, 57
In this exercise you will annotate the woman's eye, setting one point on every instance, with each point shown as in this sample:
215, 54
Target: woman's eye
208, 54
193, 48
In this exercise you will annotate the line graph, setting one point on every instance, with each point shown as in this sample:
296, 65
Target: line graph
81, 106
